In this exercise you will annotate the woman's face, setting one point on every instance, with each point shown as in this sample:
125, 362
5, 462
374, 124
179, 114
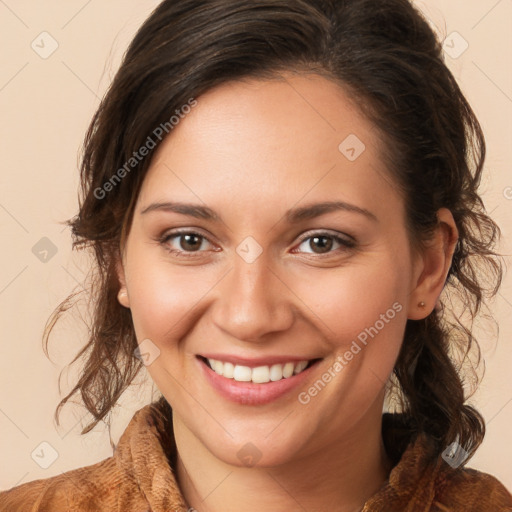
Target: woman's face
268, 232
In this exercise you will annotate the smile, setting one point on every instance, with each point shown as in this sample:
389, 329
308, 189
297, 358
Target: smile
259, 374
253, 382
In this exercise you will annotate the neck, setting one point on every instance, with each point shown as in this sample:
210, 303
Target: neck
341, 477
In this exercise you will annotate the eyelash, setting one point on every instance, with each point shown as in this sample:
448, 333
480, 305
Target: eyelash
345, 243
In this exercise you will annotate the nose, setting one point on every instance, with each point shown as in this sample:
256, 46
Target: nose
253, 302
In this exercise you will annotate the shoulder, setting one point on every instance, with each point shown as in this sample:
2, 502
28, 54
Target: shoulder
91, 488
420, 479
440, 488
470, 490
135, 477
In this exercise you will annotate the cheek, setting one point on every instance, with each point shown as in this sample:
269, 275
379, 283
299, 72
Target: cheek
351, 299
164, 299
362, 314
361, 311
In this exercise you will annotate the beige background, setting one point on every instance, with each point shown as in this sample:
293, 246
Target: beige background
46, 105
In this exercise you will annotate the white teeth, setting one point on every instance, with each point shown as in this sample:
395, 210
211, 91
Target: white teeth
242, 373
218, 366
229, 370
261, 374
300, 366
258, 375
288, 370
276, 372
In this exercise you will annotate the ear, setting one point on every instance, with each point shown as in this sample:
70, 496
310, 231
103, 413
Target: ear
122, 295
434, 264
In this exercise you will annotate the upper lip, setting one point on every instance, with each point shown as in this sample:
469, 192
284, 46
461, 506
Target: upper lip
254, 362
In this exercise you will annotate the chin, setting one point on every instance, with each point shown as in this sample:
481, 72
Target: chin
258, 453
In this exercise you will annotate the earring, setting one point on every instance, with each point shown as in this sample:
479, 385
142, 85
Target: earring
421, 304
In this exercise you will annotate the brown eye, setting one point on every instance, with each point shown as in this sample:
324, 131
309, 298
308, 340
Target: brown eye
324, 243
185, 242
190, 242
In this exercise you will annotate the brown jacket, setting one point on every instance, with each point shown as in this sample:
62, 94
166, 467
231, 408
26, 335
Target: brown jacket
139, 478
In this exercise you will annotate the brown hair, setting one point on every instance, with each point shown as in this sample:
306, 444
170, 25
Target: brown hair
385, 55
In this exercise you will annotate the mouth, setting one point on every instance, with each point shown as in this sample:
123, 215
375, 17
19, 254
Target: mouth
261, 374
253, 382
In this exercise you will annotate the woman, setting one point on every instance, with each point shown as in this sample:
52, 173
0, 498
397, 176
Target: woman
279, 194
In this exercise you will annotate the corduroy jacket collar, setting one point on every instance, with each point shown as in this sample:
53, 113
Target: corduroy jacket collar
139, 477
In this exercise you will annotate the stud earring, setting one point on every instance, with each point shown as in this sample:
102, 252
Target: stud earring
421, 304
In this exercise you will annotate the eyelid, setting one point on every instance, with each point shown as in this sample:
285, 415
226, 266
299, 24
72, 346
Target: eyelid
346, 242
343, 239
325, 232
168, 235
184, 231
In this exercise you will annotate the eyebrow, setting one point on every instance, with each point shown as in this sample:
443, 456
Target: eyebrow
292, 216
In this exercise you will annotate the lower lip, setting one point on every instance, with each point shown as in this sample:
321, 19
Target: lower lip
248, 393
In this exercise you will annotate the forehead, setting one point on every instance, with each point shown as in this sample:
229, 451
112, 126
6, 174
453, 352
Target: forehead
261, 140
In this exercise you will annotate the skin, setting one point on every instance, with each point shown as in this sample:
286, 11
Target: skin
250, 151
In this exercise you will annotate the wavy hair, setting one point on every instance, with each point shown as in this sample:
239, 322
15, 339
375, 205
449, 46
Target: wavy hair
387, 58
